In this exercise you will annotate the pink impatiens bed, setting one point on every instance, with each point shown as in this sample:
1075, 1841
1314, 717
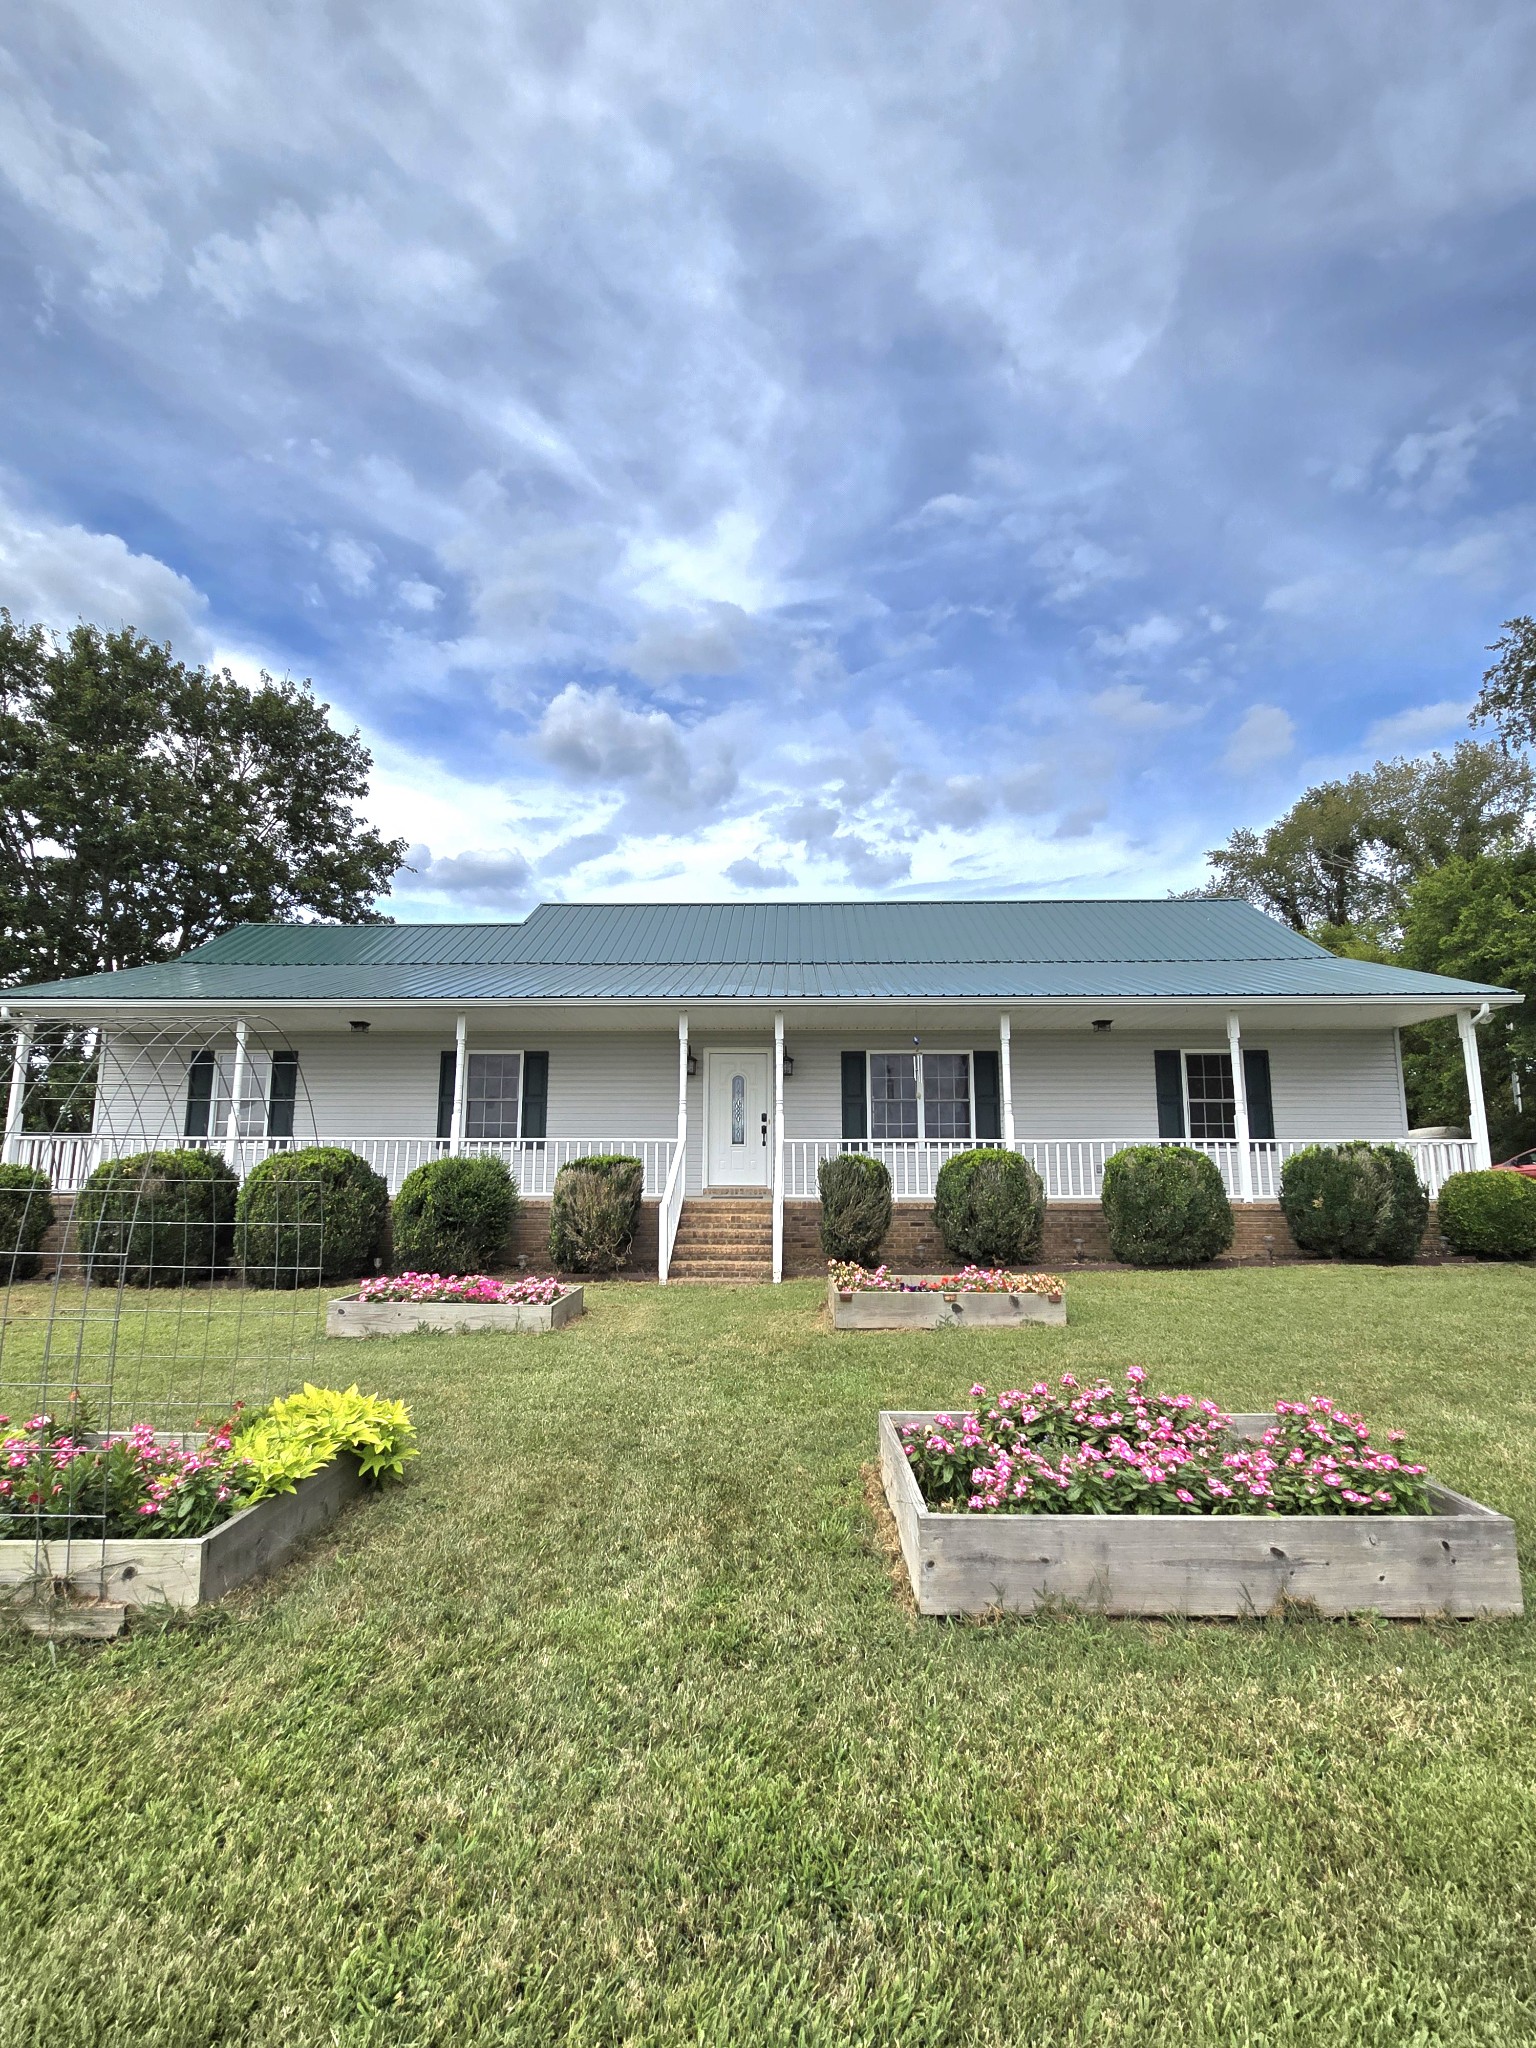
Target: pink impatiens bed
1099, 1449
475, 1287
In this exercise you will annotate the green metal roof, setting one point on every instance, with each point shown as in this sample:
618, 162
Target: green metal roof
772, 951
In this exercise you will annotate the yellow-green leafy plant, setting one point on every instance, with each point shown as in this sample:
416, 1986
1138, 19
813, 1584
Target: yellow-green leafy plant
301, 1433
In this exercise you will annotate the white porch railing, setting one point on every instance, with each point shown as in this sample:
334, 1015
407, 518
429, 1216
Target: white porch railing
533, 1162
1073, 1168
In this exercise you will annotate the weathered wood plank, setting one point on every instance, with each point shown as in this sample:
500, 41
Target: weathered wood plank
350, 1317
871, 1308
1459, 1561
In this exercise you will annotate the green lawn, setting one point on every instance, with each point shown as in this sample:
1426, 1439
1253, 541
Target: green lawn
611, 1728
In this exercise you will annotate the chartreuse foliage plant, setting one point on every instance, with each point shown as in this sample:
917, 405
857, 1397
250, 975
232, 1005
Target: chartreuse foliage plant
454, 1216
1354, 1201
26, 1213
855, 1195
1165, 1205
299, 1434
311, 1217
989, 1206
1489, 1215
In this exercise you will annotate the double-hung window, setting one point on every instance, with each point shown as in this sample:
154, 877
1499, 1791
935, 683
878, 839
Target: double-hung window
493, 1090
919, 1095
282, 1094
1209, 1094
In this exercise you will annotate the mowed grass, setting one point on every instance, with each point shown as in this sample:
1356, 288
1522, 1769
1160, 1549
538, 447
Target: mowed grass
611, 1727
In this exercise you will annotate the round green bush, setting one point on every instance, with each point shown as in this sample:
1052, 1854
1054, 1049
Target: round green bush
156, 1219
989, 1206
594, 1213
1489, 1215
26, 1212
309, 1218
1165, 1205
1354, 1201
454, 1216
855, 1206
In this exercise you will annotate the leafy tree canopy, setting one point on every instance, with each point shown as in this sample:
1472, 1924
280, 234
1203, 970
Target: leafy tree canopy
146, 805
1339, 864
1507, 700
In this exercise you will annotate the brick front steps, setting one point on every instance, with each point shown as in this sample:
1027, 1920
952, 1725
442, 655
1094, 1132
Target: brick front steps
726, 1238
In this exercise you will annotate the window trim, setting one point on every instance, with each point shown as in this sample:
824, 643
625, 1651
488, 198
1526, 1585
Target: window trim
902, 1052
499, 1052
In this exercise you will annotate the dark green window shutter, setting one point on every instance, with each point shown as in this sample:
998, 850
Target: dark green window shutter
1261, 1106
446, 1064
535, 1094
282, 1094
199, 1094
855, 1096
987, 1101
1170, 1094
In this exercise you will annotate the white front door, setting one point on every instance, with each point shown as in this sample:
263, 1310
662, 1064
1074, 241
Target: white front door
736, 1120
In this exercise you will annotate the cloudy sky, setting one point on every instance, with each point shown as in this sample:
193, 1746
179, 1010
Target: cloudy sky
833, 448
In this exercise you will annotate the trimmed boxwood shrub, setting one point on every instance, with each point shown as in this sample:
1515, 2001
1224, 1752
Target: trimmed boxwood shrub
454, 1216
1489, 1215
1165, 1205
26, 1212
594, 1212
311, 1217
989, 1206
1354, 1201
156, 1219
855, 1206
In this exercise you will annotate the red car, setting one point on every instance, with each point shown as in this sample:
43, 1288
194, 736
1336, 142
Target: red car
1523, 1162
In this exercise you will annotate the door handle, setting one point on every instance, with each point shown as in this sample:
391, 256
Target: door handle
765, 1127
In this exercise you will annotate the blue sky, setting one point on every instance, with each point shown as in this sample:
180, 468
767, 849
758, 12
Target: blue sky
828, 449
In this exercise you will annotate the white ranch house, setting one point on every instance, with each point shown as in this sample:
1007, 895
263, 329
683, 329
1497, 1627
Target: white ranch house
733, 1048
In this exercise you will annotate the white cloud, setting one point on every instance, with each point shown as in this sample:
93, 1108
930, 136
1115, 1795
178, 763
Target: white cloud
1148, 636
352, 562
1423, 722
1303, 598
495, 880
343, 251
593, 736
1128, 706
1266, 735
756, 874
417, 595
665, 648
55, 574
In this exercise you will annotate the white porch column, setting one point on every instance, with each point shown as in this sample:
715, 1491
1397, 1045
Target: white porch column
236, 1097
460, 1081
682, 1082
778, 1147
18, 1096
1005, 1070
1466, 1025
1240, 1111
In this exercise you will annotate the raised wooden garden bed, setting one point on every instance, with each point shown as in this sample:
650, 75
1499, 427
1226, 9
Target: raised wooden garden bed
350, 1317
180, 1571
871, 1308
1458, 1561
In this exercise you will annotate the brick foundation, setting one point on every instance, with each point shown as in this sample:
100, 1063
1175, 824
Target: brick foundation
1074, 1236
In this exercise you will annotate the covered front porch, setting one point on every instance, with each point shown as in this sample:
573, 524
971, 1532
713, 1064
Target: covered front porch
747, 1102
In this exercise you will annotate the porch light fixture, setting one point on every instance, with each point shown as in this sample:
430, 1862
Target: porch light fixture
789, 1066
1102, 1023
693, 1064
358, 1024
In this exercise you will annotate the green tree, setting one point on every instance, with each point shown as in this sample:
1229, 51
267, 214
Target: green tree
1477, 919
146, 805
1507, 700
1339, 864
